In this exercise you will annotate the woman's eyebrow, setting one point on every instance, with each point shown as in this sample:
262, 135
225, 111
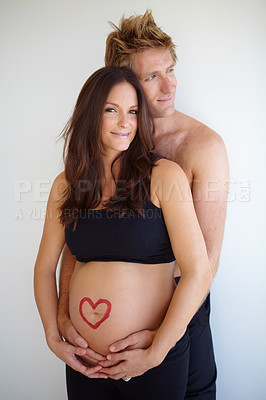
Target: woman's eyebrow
117, 105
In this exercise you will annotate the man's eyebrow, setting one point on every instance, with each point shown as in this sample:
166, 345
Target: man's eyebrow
148, 74
117, 105
155, 72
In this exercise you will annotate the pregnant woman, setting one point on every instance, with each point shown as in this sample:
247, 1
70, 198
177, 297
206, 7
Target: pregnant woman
125, 215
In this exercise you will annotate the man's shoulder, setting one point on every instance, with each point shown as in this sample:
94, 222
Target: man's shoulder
194, 130
204, 148
197, 137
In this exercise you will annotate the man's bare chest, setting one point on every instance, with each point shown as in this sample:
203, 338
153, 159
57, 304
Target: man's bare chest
175, 149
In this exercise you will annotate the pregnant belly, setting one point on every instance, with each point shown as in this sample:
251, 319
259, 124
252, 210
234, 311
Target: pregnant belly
109, 301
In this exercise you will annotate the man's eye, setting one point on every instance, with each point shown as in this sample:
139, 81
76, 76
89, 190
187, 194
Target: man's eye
150, 78
171, 70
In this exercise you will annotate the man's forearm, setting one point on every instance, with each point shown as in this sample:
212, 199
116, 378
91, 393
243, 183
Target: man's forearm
66, 271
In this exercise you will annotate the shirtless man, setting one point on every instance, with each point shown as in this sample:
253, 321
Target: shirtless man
140, 45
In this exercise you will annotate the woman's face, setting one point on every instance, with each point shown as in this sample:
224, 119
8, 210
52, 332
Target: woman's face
120, 120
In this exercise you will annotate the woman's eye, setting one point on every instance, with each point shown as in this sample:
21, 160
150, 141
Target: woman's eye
110, 110
134, 112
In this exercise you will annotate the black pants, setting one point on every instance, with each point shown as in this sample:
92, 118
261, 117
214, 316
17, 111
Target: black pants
188, 371
168, 381
202, 368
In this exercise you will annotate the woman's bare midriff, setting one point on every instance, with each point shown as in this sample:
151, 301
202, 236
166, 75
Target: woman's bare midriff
110, 300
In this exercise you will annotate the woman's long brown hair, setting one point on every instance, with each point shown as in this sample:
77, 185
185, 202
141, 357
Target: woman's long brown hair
83, 150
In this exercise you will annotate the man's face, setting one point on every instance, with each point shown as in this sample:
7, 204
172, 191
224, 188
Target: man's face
155, 71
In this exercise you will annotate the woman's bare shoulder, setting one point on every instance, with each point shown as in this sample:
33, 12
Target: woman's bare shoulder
167, 169
60, 178
59, 187
168, 180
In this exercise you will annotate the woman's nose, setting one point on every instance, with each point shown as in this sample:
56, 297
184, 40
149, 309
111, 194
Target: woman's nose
123, 121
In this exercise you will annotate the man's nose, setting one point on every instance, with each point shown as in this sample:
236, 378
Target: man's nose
168, 85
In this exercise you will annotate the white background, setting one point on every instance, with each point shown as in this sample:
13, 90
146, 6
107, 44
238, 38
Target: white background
48, 50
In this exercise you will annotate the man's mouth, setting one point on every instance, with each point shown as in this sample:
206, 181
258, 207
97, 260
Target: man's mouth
165, 99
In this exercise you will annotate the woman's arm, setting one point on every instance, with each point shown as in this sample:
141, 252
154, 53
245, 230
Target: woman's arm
51, 245
52, 242
171, 190
189, 248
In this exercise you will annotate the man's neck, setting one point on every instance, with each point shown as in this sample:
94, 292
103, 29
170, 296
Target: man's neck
168, 125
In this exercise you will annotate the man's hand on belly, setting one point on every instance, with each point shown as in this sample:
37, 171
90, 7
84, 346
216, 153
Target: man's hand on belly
131, 363
89, 357
70, 355
137, 340
68, 331
121, 363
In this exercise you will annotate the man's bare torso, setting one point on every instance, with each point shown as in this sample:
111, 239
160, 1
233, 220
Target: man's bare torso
187, 142
182, 140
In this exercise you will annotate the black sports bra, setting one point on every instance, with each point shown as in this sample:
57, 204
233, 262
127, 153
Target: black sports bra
100, 235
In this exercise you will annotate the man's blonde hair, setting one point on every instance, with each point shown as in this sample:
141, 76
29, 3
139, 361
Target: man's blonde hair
135, 34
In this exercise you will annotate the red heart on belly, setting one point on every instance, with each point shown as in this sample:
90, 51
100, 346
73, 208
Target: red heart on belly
93, 306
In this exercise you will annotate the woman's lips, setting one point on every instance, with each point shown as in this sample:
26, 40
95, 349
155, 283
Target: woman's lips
122, 135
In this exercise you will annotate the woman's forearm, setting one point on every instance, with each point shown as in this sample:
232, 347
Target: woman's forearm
46, 299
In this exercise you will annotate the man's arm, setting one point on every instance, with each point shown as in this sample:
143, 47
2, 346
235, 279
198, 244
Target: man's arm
65, 326
210, 190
